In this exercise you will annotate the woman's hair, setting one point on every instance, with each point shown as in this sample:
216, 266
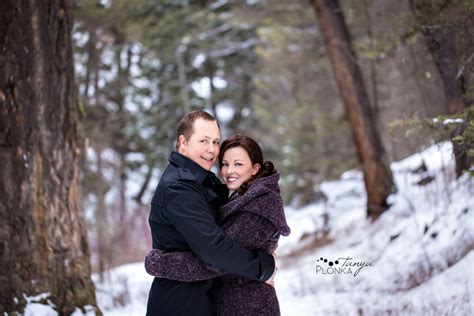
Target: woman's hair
186, 124
256, 157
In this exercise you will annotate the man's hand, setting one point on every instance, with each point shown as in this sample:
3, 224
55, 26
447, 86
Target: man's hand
271, 280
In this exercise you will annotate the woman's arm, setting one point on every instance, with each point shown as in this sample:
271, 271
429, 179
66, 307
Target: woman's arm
179, 266
253, 231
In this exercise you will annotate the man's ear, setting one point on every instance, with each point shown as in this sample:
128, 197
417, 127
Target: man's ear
182, 142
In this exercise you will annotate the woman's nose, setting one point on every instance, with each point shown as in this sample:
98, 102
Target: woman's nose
229, 170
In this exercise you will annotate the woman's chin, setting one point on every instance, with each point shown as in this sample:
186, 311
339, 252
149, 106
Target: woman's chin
232, 187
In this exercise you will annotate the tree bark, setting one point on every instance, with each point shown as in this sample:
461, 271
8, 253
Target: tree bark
377, 176
441, 42
372, 62
43, 242
103, 235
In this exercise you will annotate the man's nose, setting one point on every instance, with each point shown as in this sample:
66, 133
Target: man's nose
210, 147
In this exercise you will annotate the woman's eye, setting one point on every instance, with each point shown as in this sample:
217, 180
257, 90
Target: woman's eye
238, 164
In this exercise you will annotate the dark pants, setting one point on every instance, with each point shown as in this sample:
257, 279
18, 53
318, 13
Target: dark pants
168, 297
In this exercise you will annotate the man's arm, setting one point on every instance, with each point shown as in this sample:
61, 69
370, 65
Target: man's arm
188, 210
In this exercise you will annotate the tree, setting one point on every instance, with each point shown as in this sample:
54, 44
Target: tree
377, 176
130, 98
440, 38
43, 245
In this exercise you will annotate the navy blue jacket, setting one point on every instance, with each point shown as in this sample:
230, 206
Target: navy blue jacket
183, 218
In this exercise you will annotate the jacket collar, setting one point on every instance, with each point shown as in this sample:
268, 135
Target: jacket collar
184, 162
262, 198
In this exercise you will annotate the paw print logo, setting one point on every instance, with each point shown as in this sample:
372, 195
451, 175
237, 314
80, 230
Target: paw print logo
330, 263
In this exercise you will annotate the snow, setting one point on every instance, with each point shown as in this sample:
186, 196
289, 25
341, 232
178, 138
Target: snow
202, 87
224, 111
199, 60
35, 305
124, 290
449, 121
218, 4
417, 256
420, 249
89, 311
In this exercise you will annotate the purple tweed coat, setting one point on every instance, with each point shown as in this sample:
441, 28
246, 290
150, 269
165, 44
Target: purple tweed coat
256, 219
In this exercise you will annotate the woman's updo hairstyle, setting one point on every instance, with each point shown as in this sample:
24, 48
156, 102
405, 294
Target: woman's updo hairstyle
256, 157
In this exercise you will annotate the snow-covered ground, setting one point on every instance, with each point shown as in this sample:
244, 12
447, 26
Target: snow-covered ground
418, 256
417, 259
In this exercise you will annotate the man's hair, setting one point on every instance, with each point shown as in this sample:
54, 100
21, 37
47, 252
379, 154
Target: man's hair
185, 126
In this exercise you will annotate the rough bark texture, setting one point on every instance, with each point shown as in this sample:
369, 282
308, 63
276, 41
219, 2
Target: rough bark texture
43, 243
377, 176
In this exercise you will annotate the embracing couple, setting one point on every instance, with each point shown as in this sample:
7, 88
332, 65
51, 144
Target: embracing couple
214, 254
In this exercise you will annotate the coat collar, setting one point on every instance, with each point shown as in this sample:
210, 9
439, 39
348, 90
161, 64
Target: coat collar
216, 192
262, 198
184, 162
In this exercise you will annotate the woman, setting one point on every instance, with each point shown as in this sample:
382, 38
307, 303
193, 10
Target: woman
254, 216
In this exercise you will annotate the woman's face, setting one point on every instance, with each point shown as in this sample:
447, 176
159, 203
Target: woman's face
237, 167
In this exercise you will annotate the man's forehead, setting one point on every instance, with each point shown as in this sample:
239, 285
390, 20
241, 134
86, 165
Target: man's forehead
203, 134
208, 129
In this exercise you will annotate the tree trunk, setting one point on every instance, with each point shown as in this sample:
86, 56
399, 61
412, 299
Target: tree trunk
372, 62
139, 196
43, 242
180, 50
102, 224
121, 235
441, 42
377, 176
92, 60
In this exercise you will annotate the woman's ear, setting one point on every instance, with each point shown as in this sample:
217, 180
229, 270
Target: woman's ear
256, 168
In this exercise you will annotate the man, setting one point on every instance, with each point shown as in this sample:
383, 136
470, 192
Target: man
182, 218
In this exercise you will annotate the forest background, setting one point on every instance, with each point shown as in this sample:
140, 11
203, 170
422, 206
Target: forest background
262, 68
270, 69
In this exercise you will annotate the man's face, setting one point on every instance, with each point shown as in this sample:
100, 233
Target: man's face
203, 145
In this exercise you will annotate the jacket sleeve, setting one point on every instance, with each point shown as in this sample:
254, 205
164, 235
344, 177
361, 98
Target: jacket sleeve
188, 210
181, 266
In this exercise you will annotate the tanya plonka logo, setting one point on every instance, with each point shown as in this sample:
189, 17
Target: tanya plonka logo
342, 265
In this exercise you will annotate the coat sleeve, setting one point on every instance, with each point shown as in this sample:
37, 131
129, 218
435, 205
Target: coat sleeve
252, 230
181, 266
188, 210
